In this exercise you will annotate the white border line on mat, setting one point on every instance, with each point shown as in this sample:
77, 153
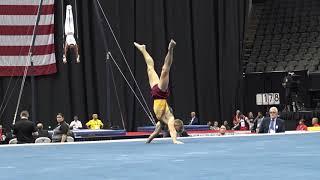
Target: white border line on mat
157, 139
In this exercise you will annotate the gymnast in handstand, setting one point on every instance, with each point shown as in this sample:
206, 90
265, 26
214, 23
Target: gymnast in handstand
160, 93
69, 32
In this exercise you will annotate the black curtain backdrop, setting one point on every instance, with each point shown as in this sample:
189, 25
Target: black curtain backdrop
205, 76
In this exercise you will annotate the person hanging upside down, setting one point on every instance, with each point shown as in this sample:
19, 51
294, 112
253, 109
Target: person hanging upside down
160, 93
69, 32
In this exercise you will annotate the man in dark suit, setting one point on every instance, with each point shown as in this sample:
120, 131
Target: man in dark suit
24, 129
194, 120
272, 124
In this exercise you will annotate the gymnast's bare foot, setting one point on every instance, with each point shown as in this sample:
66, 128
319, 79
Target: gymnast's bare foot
141, 47
172, 44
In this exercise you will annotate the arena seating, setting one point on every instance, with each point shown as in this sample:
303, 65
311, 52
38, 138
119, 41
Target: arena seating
287, 37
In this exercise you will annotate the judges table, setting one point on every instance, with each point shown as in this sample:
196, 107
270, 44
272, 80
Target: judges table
99, 134
186, 127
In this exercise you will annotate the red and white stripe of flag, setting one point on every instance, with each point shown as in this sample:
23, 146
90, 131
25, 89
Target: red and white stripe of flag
17, 20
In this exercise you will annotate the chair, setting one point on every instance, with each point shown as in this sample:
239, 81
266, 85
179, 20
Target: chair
264, 54
290, 68
305, 45
260, 68
286, 36
303, 40
70, 139
250, 69
282, 63
13, 141
272, 64
261, 58
279, 68
304, 35
277, 37
280, 58
292, 63
295, 36
265, 48
285, 46
269, 68
312, 50
284, 41
315, 44
314, 62
289, 57
251, 64
311, 68
303, 29
271, 57
299, 68
43, 140
293, 51
252, 59
303, 51
283, 52
303, 62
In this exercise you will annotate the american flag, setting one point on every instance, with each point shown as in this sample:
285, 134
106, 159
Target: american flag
17, 20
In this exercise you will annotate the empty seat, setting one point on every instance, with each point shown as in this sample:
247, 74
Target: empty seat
269, 68
280, 58
307, 57
251, 64
289, 68
13, 141
312, 50
252, 59
43, 140
303, 63
315, 44
279, 68
299, 68
311, 68
289, 57
314, 62
282, 63
302, 51
272, 64
285, 46
260, 68
283, 52
292, 63
250, 69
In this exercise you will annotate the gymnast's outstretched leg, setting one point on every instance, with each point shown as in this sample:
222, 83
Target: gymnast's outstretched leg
164, 78
153, 76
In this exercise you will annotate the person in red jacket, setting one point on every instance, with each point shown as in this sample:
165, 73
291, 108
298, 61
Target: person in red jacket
302, 126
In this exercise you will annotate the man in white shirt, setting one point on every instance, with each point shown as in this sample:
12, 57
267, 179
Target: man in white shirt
75, 124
